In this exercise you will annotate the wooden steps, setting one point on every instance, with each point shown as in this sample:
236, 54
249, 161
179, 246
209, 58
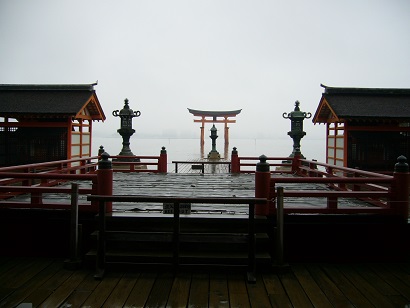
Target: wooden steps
202, 242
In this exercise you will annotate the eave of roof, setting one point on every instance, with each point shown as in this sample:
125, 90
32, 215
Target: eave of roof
49, 101
230, 113
344, 104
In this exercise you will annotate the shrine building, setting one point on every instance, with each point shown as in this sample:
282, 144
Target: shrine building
40, 123
366, 128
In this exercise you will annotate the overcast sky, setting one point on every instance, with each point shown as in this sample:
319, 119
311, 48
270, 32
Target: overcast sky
167, 56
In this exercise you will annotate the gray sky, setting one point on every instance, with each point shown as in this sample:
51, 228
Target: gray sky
166, 56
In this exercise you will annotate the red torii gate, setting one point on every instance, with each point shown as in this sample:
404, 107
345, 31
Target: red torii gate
214, 117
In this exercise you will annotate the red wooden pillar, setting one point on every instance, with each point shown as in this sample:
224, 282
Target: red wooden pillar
105, 176
296, 163
163, 161
401, 187
262, 181
235, 167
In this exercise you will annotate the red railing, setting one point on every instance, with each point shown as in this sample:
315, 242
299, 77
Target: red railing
140, 163
246, 164
383, 194
36, 180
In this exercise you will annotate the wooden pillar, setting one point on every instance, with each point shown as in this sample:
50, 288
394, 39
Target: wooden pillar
69, 137
262, 183
226, 137
235, 167
203, 136
400, 188
226, 132
105, 178
163, 161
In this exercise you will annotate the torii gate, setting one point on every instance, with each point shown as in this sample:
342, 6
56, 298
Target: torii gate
214, 115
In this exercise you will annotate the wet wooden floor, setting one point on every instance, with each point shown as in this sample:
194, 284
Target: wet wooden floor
207, 185
36, 282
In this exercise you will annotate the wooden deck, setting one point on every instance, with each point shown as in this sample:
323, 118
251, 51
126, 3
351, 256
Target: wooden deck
206, 185
46, 283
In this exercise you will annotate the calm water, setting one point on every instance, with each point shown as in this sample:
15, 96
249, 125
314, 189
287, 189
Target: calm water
189, 149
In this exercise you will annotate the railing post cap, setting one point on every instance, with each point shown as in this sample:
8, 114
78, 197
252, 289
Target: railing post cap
401, 165
262, 166
101, 150
163, 150
104, 162
234, 150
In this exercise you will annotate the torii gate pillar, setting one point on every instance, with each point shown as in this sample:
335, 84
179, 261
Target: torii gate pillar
214, 117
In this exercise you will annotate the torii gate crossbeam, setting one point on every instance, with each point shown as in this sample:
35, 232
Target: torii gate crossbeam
214, 117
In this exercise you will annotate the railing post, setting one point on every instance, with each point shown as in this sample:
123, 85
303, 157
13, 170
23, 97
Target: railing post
74, 260
36, 198
262, 181
100, 260
235, 166
251, 245
105, 176
296, 163
401, 187
279, 227
163, 161
176, 235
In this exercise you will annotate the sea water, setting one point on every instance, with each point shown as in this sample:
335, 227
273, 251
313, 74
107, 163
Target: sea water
189, 149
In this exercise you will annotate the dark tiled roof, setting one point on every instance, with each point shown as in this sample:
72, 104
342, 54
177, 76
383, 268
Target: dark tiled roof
363, 106
364, 103
58, 100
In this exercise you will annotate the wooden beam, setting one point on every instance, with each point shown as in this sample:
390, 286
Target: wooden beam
216, 121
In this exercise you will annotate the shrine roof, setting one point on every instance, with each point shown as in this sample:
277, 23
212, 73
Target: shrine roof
344, 104
50, 101
209, 113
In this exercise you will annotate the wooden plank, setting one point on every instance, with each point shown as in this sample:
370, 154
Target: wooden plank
160, 290
312, 290
294, 290
276, 292
218, 290
238, 293
45, 290
142, 288
329, 288
16, 276
390, 275
375, 280
83, 291
61, 293
7, 263
30, 286
103, 290
258, 297
349, 289
198, 296
180, 290
119, 295
365, 287
8, 277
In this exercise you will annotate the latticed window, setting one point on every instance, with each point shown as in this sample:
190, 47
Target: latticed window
32, 145
376, 150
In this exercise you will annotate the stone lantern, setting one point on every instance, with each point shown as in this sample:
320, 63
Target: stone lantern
126, 131
214, 153
296, 127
